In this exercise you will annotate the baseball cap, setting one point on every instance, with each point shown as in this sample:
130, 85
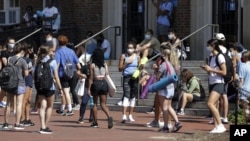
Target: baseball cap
220, 36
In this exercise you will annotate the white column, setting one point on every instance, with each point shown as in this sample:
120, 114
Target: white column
246, 24
112, 16
201, 14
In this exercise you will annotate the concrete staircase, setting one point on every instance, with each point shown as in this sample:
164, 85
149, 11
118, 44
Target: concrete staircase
144, 105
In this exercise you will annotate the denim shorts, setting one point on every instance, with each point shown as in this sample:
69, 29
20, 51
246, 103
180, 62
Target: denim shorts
21, 90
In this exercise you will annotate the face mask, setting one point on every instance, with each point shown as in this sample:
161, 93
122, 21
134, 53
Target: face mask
147, 37
11, 45
170, 36
48, 39
130, 50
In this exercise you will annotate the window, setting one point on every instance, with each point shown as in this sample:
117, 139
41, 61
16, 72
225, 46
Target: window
14, 3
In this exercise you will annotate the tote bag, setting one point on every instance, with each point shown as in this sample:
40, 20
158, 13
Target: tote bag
112, 87
80, 87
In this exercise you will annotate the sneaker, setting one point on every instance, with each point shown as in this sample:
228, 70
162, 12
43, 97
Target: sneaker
28, 123
219, 129
3, 104
110, 122
177, 127
124, 119
224, 120
45, 131
153, 124
5, 126
60, 112
77, 107
34, 111
91, 119
94, 125
164, 129
80, 121
18, 127
181, 113
211, 121
69, 113
130, 118
119, 103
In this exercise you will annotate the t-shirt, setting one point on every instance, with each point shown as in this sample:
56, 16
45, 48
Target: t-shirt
106, 45
244, 73
61, 55
22, 66
155, 44
29, 78
49, 12
214, 77
6, 54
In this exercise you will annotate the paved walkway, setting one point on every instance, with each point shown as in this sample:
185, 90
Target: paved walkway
66, 129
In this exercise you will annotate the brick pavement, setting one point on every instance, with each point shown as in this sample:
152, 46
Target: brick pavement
66, 129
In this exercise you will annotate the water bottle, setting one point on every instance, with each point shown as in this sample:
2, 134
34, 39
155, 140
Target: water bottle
91, 102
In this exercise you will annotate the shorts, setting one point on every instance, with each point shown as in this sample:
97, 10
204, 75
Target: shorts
167, 93
21, 90
99, 87
196, 98
218, 87
46, 93
162, 29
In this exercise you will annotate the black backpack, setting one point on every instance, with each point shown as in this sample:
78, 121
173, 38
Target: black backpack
43, 78
9, 77
202, 92
229, 66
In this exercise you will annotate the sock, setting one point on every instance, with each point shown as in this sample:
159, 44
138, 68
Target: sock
62, 107
69, 107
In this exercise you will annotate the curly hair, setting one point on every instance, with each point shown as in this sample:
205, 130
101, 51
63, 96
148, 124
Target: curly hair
186, 75
172, 56
98, 57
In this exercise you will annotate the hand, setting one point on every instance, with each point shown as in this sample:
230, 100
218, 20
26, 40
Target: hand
206, 68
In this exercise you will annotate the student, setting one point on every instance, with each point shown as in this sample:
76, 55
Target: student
166, 68
98, 87
216, 83
192, 93
19, 93
46, 97
128, 64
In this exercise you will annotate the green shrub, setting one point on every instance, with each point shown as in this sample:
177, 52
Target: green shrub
241, 117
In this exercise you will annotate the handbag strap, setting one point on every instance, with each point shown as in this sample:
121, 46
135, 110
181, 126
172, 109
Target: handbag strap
106, 69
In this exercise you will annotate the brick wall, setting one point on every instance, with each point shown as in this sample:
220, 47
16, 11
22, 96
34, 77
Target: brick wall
182, 19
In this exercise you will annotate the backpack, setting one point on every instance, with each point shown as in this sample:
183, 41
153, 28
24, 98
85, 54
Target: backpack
229, 66
9, 77
68, 69
43, 78
202, 92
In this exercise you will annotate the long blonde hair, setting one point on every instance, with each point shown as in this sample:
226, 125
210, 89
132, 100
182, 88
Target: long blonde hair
172, 57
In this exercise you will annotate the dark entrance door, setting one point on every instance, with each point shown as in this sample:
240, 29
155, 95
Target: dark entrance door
226, 15
133, 20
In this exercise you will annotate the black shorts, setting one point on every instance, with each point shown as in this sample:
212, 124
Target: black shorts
46, 93
99, 87
196, 98
218, 87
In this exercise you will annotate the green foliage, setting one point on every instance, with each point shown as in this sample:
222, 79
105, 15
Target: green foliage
241, 117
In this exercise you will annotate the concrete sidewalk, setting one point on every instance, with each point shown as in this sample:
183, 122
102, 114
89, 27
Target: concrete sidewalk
66, 129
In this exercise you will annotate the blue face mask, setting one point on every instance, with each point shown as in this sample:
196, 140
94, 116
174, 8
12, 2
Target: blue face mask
147, 37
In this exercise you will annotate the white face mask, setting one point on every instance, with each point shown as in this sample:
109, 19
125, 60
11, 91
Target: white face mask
170, 36
147, 37
49, 39
11, 45
130, 50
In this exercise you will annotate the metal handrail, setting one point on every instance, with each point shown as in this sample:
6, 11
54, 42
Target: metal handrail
84, 41
188, 36
28, 35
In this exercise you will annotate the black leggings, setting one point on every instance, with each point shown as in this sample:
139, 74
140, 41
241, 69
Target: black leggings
85, 100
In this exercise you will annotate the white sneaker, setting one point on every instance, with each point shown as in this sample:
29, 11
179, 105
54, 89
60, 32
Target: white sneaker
119, 103
219, 129
77, 107
211, 121
130, 118
224, 120
181, 113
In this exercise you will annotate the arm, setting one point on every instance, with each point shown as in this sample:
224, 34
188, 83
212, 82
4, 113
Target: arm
91, 76
122, 63
193, 86
57, 80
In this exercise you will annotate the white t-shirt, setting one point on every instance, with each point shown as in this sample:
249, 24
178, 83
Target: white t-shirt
82, 58
49, 12
106, 45
214, 77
